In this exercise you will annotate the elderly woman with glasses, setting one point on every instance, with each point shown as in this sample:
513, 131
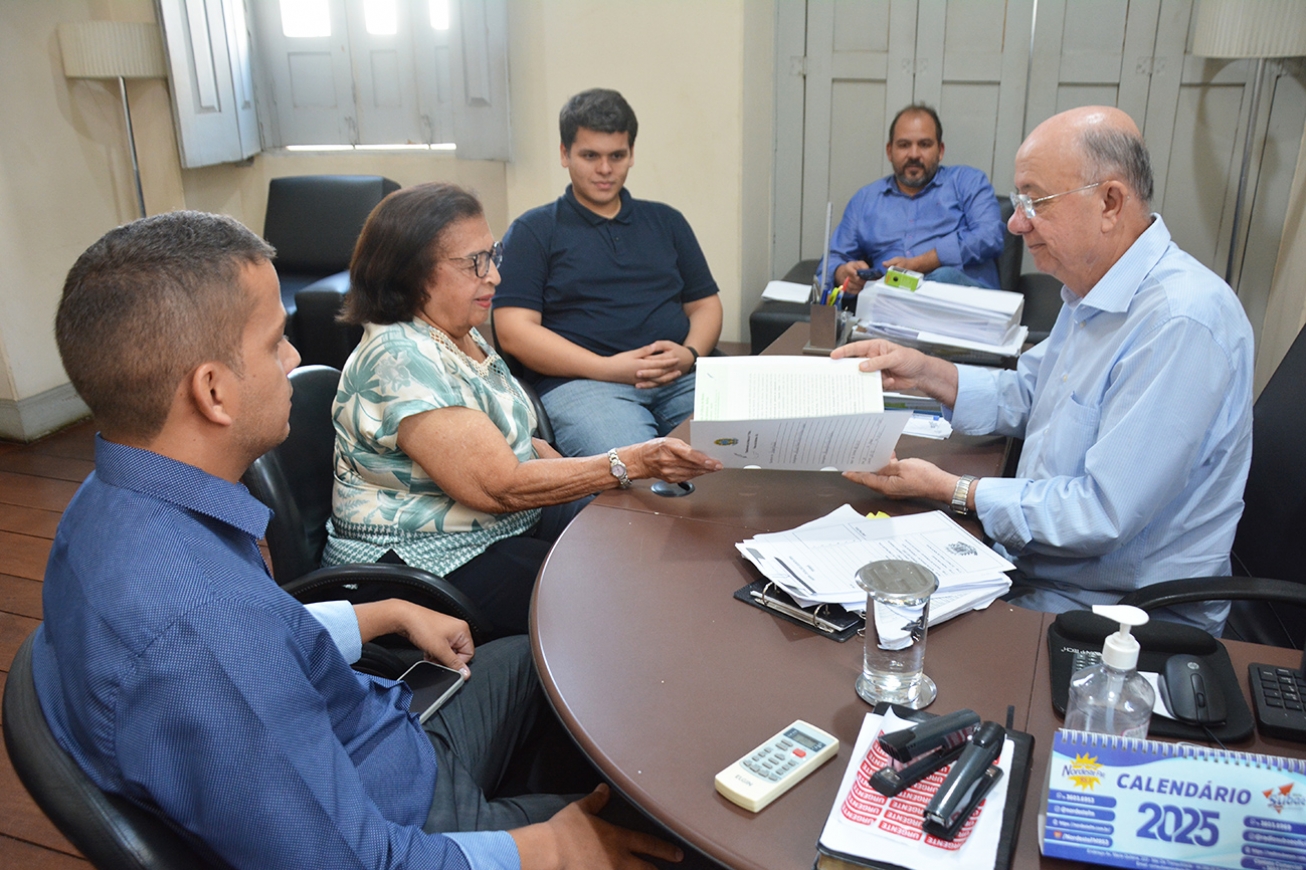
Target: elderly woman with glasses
435, 463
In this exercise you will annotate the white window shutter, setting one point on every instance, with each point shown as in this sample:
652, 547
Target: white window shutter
308, 93
208, 61
479, 66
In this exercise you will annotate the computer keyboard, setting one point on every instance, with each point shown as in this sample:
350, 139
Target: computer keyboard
1277, 698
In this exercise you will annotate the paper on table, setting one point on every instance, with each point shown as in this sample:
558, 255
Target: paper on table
866, 824
824, 559
787, 291
797, 413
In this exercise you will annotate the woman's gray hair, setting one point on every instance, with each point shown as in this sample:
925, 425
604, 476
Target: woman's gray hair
1117, 154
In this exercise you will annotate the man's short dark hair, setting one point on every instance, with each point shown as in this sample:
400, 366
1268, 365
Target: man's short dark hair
147, 304
918, 108
597, 109
1110, 153
398, 250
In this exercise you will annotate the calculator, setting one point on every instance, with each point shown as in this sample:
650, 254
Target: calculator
776, 766
1277, 696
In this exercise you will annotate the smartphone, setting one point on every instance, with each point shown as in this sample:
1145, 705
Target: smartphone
869, 274
432, 685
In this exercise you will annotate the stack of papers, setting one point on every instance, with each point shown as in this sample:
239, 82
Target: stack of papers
787, 291
817, 562
799, 413
947, 314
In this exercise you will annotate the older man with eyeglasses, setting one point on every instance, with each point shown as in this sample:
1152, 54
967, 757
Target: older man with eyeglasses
1137, 410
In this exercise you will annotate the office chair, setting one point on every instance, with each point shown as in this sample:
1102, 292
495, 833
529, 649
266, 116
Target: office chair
543, 426
1043, 303
295, 480
1268, 543
313, 221
109, 830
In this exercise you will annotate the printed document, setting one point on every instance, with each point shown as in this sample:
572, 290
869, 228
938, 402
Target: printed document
793, 412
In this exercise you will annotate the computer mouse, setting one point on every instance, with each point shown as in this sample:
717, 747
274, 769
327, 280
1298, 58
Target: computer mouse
1192, 693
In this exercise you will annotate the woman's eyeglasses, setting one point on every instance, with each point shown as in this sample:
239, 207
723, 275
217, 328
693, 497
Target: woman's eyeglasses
481, 260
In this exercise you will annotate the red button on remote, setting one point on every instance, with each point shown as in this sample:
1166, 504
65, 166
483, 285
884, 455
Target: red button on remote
800, 753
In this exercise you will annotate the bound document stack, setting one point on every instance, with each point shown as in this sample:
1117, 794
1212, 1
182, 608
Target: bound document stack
817, 562
798, 413
945, 314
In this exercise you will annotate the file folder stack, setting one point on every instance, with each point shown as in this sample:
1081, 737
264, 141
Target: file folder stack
969, 317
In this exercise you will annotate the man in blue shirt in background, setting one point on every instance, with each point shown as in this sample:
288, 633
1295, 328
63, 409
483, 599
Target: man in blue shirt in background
606, 299
177, 673
943, 221
1136, 411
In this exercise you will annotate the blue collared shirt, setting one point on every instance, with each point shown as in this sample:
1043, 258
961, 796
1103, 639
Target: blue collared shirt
177, 673
956, 214
1137, 419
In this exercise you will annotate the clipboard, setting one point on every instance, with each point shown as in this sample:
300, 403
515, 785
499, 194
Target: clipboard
827, 620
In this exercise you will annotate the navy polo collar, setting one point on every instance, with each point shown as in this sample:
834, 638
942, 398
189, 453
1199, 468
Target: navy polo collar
183, 485
595, 219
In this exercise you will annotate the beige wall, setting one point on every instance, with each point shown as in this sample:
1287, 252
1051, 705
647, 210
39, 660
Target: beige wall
704, 105
242, 191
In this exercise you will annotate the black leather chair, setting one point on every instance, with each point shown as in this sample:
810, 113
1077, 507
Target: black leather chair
1268, 542
109, 830
313, 221
770, 319
320, 339
1043, 303
296, 480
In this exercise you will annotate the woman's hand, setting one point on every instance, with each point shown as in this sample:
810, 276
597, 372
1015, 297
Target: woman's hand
668, 459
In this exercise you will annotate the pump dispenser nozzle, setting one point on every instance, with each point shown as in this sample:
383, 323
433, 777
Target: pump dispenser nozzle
1121, 649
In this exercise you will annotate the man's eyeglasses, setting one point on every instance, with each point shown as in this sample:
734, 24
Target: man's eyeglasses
481, 260
1026, 206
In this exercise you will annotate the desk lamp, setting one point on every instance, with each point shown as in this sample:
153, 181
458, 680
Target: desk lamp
1240, 29
115, 50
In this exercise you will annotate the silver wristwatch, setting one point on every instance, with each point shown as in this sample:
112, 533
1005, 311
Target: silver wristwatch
961, 493
618, 469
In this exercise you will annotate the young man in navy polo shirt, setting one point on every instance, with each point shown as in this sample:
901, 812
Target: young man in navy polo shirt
606, 299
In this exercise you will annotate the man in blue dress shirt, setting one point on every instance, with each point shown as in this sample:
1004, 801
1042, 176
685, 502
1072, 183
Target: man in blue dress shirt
1136, 411
177, 673
606, 299
943, 221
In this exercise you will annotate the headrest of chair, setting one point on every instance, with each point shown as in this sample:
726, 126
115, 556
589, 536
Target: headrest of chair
314, 220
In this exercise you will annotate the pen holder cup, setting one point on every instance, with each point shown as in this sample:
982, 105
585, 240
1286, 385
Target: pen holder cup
897, 619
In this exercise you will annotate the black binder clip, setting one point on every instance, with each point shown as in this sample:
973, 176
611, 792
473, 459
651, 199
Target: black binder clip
917, 752
967, 783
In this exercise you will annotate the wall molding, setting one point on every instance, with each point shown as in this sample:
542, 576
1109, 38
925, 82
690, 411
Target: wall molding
30, 418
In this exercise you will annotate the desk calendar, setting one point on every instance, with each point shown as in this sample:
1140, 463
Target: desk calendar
1166, 806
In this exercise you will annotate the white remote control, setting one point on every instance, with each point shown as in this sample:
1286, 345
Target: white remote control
776, 766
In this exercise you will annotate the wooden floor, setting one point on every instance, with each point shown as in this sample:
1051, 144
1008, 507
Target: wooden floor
36, 482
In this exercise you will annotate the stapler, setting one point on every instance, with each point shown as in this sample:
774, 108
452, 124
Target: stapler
967, 783
918, 751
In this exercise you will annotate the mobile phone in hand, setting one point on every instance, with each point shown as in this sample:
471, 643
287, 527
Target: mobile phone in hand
432, 685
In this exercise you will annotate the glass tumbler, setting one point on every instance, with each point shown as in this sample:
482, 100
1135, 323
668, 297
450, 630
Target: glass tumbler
897, 617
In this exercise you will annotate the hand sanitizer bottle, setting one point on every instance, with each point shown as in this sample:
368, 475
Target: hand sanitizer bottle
1113, 698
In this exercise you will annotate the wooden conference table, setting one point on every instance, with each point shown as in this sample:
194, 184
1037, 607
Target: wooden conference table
664, 679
